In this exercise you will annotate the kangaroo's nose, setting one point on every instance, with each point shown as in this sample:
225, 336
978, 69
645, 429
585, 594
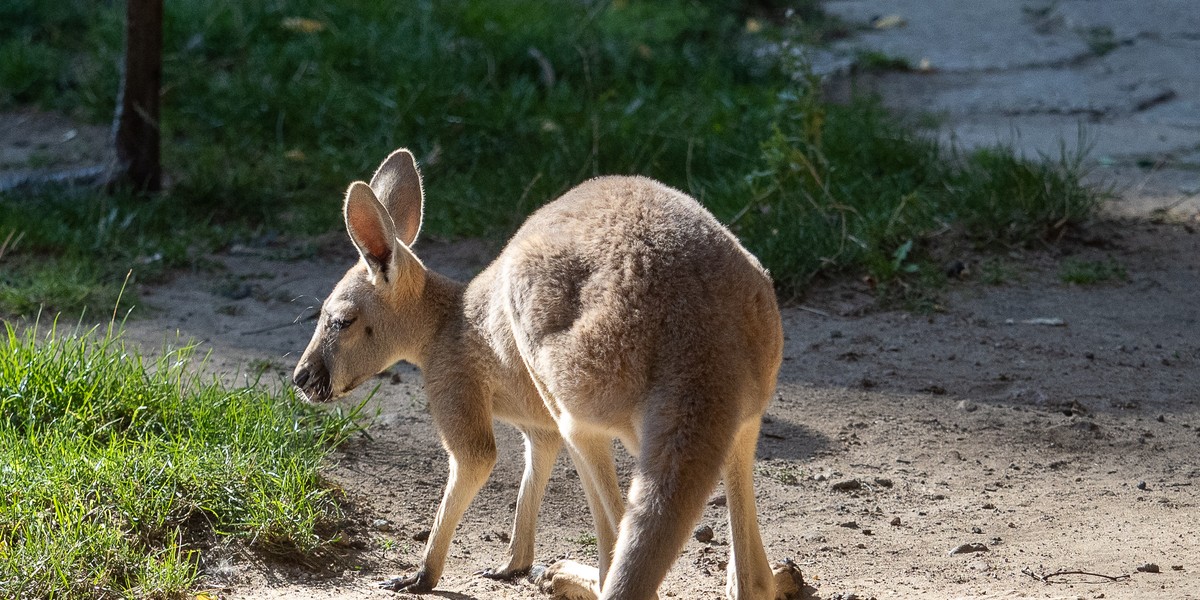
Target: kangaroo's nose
300, 378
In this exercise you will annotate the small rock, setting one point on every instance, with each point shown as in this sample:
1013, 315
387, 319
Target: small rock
988, 506
847, 486
980, 566
397, 379
883, 482
868, 532
968, 548
976, 530
421, 536
1161, 419
849, 524
381, 525
967, 406
717, 500
535, 573
813, 537
1141, 485
703, 534
1176, 567
896, 521
1149, 568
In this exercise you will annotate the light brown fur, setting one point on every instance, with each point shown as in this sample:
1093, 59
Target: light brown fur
622, 310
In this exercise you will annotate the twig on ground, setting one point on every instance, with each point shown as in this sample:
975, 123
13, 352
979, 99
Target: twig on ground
1046, 577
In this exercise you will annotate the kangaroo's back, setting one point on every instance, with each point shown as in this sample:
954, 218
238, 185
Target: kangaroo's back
624, 285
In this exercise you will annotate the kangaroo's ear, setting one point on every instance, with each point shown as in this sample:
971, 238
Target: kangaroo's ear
397, 185
371, 229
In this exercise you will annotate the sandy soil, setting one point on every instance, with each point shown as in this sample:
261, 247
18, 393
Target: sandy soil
1067, 447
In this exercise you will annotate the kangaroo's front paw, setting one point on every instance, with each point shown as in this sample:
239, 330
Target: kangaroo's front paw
505, 573
569, 580
789, 582
417, 583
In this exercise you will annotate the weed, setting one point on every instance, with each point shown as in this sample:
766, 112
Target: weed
873, 60
587, 543
995, 271
1091, 272
848, 188
1100, 40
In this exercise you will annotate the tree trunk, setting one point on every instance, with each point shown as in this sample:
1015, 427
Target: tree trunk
136, 124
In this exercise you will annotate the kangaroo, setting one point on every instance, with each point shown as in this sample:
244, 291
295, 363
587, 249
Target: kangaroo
622, 310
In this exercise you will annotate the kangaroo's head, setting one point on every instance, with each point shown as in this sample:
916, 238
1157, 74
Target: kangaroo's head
373, 317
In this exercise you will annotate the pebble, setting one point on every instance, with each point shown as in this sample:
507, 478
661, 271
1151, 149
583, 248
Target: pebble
847, 486
967, 406
883, 482
718, 500
968, 548
896, 521
703, 534
1149, 568
849, 524
381, 525
1141, 485
421, 536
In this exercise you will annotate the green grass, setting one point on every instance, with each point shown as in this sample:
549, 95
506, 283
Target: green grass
270, 109
1091, 272
68, 250
848, 188
115, 470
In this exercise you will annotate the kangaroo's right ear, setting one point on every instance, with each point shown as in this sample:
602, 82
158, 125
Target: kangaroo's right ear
371, 229
397, 184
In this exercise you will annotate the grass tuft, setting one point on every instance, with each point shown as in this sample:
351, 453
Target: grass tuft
1091, 272
849, 189
115, 469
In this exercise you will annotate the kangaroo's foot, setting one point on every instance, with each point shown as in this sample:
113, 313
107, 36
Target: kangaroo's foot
417, 583
569, 580
788, 580
505, 573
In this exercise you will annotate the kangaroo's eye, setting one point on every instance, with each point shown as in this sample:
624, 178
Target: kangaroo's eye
339, 324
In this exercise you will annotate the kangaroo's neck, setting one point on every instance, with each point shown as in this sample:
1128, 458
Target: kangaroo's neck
441, 302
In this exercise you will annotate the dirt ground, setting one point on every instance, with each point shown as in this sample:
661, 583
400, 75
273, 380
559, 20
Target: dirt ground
1058, 447
1070, 446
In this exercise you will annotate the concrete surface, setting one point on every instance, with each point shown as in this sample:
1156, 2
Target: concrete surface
1117, 78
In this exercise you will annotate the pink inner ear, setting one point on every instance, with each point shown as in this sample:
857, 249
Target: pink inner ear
369, 234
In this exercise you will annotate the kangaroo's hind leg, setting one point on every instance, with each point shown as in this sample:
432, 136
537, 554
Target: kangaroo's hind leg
684, 442
749, 574
592, 454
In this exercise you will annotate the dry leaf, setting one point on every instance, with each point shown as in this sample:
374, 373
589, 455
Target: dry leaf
303, 25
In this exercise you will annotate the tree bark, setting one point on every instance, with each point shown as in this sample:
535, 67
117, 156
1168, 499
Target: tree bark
136, 123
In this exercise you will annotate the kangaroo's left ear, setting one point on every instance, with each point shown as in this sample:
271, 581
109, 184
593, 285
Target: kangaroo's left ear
371, 229
397, 185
